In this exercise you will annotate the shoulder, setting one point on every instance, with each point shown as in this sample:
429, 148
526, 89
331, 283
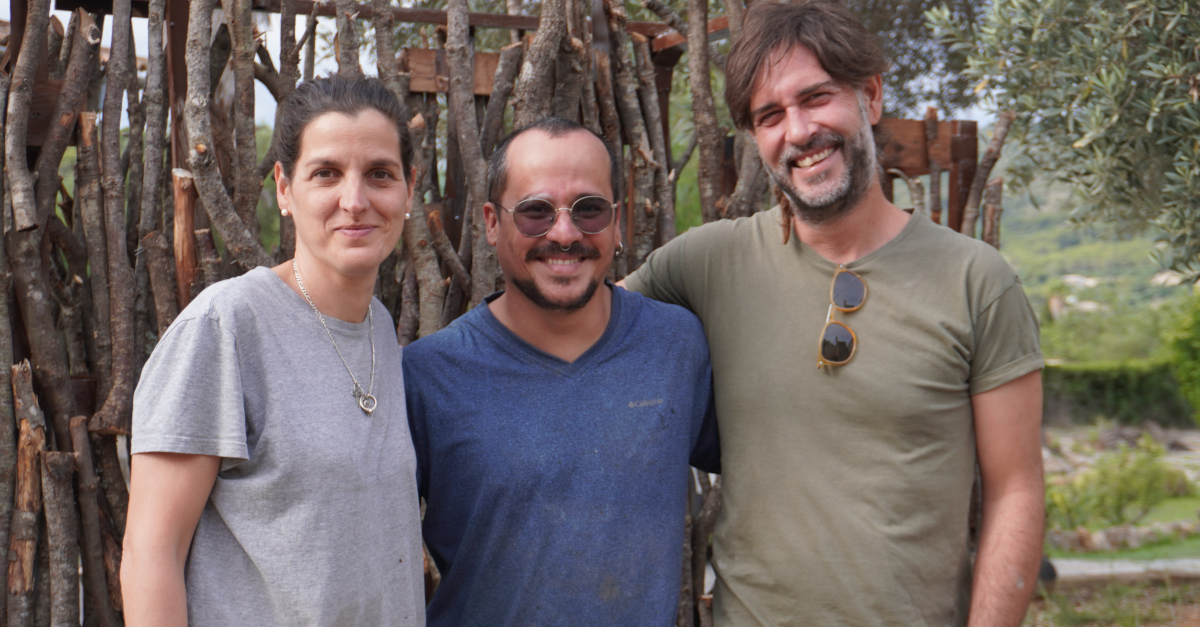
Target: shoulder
762, 227
228, 302
656, 320
977, 260
459, 337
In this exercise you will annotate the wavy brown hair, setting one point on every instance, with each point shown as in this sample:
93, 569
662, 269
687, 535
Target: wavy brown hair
846, 51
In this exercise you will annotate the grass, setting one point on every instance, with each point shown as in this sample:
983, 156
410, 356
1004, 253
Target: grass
1143, 605
1177, 508
1165, 549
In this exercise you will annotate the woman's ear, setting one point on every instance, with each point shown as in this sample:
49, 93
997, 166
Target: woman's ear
282, 186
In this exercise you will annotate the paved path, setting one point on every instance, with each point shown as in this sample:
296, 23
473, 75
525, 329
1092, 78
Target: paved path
1082, 569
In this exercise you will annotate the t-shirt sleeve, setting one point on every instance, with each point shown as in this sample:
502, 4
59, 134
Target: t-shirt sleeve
415, 405
706, 453
662, 277
1007, 344
189, 399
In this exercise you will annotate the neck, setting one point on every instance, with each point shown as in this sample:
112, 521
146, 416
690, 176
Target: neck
861, 231
566, 335
335, 295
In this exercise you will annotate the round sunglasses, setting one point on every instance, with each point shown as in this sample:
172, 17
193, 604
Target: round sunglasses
534, 217
847, 293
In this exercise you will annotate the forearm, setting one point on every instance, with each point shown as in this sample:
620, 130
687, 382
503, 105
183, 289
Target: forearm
166, 496
152, 588
1006, 567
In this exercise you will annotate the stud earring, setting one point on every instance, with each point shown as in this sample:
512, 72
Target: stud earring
283, 212
407, 216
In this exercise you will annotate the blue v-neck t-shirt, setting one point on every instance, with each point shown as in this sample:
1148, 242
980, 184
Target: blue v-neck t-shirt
556, 491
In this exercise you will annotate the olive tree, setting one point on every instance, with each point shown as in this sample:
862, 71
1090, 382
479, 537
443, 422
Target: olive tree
1105, 95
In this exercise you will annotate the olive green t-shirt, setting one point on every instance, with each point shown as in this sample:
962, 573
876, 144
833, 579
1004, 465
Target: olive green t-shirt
846, 490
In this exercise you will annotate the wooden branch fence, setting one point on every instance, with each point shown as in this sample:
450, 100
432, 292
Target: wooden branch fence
100, 266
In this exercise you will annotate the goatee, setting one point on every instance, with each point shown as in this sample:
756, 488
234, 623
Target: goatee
829, 205
530, 289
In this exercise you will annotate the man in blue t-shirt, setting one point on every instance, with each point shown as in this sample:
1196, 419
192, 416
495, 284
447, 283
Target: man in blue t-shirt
554, 423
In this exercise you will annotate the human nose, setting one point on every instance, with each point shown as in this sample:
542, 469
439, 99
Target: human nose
354, 195
563, 231
798, 126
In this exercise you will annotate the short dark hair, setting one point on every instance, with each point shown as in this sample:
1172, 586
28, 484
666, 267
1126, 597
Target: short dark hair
839, 41
497, 170
312, 99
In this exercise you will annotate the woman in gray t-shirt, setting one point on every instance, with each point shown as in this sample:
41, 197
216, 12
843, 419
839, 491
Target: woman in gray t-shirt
272, 470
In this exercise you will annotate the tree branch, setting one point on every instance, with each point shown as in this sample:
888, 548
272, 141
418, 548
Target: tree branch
243, 248
95, 580
708, 134
484, 269
113, 416
986, 163
20, 179
502, 87
347, 40
536, 81
247, 182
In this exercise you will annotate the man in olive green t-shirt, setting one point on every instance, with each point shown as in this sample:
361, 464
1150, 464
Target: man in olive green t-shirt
863, 359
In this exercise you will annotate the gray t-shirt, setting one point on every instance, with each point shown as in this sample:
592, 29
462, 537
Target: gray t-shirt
314, 518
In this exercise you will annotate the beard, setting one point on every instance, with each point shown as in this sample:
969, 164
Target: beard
529, 287
829, 204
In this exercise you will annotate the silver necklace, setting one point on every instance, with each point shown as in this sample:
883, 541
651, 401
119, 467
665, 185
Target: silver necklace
365, 400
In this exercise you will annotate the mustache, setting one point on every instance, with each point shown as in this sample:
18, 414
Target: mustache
576, 248
824, 139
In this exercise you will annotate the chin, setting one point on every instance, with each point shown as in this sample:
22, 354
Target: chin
553, 299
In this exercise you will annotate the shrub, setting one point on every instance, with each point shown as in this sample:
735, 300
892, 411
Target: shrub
1120, 488
1184, 343
1128, 392
1129, 482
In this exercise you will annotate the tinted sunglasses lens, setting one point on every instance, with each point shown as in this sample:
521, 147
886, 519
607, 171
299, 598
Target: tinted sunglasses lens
591, 214
848, 291
534, 218
837, 343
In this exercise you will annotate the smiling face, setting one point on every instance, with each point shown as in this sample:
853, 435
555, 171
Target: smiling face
814, 134
562, 269
348, 194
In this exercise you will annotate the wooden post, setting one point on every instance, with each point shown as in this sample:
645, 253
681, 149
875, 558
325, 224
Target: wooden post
964, 155
993, 206
184, 191
23, 541
935, 166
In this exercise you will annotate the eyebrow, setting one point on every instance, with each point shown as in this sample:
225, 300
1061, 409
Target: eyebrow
802, 93
319, 161
546, 197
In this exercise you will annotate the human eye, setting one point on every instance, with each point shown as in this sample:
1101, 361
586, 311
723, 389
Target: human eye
381, 175
322, 174
535, 209
590, 207
768, 118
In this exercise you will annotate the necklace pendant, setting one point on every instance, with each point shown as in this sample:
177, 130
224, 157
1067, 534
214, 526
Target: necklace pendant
366, 402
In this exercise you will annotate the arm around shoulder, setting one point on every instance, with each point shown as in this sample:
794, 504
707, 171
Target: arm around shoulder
1008, 422
167, 494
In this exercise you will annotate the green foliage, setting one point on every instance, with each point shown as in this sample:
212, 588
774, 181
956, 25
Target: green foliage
1106, 99
1070, 504
1121, 487
1184, 341
923, 69
1129, 482
1128, 392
